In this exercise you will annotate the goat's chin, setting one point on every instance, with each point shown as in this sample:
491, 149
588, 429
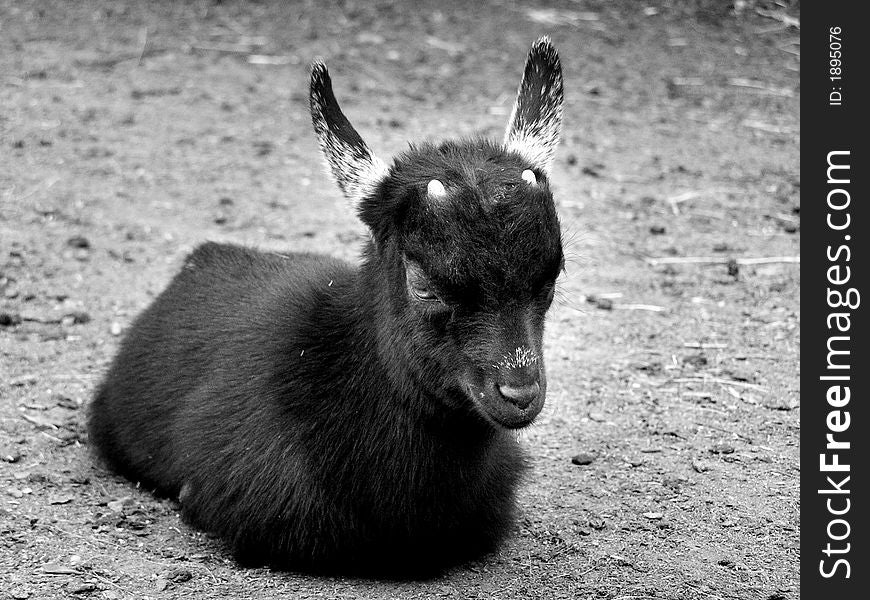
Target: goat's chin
511, 417
502, 413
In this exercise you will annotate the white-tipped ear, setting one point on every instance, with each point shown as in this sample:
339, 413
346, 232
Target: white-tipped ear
529, 177
535, 124
355, 169
435, 189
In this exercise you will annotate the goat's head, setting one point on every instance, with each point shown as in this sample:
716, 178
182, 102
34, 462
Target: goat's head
468, 241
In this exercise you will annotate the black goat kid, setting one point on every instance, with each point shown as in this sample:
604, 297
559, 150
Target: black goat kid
322, 416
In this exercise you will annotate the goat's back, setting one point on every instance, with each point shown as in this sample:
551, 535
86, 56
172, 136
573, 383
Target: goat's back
212, 328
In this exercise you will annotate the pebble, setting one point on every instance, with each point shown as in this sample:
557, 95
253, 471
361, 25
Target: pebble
78, 317
597, 524
115, 328
733, 268
653, 516
695, 360
700, 466
82, 588
119, 504
602, 303
66, 402
173, 576
78, 241
179, 575
673, 483
583, 458
9, 319
722, 448
10, 456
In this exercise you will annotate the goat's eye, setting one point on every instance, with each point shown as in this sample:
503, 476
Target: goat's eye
424, 293
418, 283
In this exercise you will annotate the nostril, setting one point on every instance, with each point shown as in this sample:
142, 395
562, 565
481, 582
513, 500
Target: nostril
520, 395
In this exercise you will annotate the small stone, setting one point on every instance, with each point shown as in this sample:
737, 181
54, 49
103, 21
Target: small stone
179, 575
597, 524
115, 328
78, 241
784, 406
722, 448
263, 147
602, 303
9, 319
118, 504
82, 588
60, 499
695, 360
66, 402
657, 230
173, 576
23, 380
673, 483
733, 268
653, 516
78, 317
10, 456
700, 466
583, 458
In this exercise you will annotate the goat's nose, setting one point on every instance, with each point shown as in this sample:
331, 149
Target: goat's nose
520, 395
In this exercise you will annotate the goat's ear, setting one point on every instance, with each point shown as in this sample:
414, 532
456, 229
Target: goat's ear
535, 124
355, 169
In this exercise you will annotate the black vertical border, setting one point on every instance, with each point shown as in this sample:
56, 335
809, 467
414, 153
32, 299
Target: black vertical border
826, 128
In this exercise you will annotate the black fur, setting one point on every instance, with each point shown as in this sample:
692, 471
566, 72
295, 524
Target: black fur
327, 417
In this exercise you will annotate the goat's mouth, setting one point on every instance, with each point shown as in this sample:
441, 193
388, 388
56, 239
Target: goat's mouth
507, 406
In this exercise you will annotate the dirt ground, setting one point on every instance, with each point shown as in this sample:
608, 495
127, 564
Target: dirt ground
130, 132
